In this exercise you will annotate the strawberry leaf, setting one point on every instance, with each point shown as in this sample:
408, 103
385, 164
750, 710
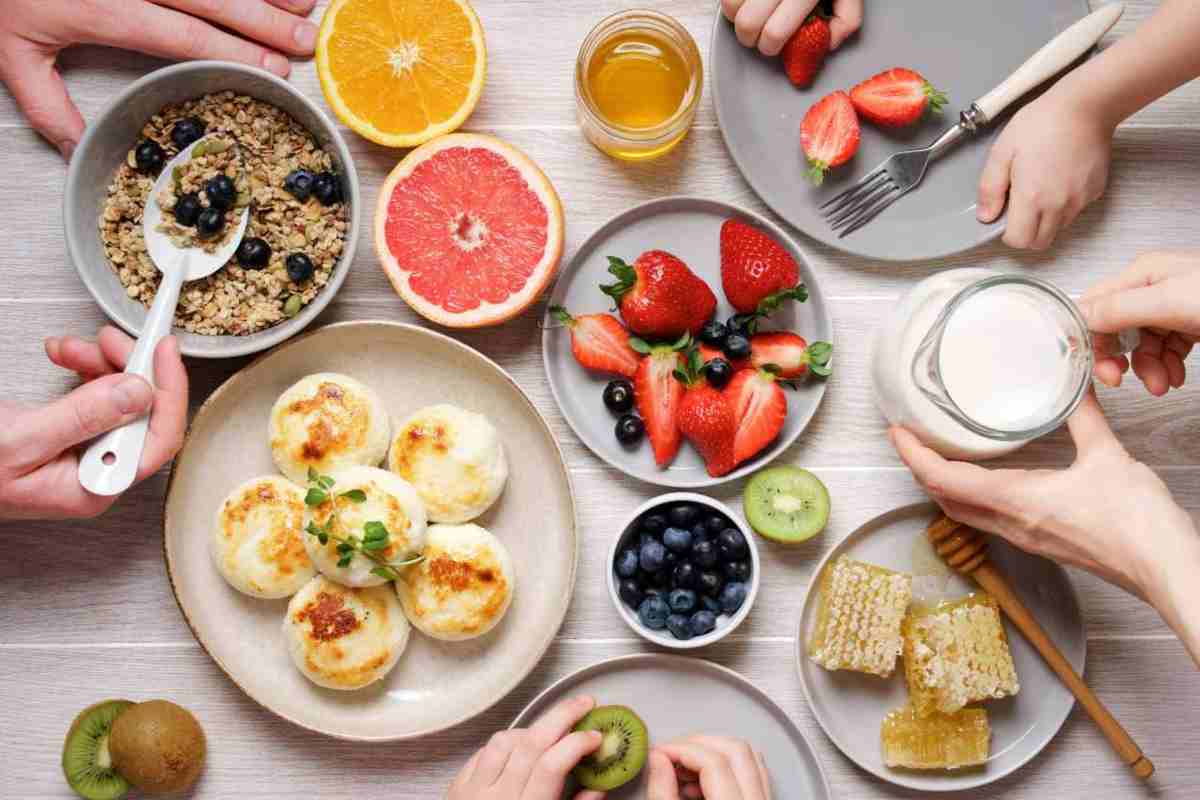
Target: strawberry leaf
639, 345
683, 341
561, 314
937, 99
819, 353
770, 304
626, 277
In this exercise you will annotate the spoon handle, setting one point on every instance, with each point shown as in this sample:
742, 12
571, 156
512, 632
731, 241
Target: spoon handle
109, 465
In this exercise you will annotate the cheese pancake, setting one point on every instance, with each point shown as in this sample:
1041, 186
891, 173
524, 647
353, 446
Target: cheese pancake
258, 538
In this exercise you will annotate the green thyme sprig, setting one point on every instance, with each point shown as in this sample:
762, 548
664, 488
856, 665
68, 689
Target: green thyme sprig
374, 537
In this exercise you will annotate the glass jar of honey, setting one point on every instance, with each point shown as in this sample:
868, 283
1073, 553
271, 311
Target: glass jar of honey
638, 81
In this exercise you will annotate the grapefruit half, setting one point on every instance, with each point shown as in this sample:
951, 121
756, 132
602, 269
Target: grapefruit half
468, 230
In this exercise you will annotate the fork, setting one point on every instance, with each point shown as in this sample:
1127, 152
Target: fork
902, 172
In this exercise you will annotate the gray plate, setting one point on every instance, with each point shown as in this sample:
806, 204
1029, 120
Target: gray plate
690, 228
850, 705
744, 711
963, 48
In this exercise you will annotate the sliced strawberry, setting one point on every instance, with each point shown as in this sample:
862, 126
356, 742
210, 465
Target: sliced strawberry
706, 418
805, 52
760, 407
896, 98
600, 342
790, 354
658, 394
829, 134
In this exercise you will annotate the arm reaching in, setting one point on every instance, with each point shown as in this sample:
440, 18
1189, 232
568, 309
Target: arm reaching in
768, 24
707, 768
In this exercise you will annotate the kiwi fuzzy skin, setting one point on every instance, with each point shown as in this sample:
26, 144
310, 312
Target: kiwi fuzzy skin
158, 747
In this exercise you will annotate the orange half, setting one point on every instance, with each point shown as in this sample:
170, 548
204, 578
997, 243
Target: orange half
400, 72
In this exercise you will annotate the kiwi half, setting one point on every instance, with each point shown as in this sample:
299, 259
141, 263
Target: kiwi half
622, 751
786, 504
158, 746
86, 761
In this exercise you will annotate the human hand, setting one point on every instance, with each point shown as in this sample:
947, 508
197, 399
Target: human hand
1159, 294
532, 763
1050, 162
768, 24
707, 768
33, 32
39, 468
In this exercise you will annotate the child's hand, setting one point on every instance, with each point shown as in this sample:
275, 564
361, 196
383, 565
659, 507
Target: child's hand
707, 768
1050, 162
768, 24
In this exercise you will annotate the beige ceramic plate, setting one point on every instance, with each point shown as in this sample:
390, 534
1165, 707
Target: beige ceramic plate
436, 684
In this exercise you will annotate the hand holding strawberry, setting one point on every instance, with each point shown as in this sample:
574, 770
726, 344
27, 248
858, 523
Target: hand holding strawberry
805, 52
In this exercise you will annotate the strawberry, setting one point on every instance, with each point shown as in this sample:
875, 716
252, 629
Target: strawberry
896, 98
805, 52
658, 394
705, 418
659, 296
759, 406
829, 134
757, 270
600, 342
790, 354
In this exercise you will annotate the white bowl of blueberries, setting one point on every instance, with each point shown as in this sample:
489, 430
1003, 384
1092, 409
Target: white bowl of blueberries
684, 571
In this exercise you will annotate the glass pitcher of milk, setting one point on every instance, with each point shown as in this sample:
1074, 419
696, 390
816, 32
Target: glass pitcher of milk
977, 362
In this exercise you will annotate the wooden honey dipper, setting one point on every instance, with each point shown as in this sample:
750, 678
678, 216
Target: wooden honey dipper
965, 549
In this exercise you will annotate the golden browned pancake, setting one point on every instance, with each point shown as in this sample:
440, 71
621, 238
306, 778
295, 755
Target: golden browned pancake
257, 541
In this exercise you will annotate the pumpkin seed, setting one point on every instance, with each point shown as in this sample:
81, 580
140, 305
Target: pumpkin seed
292, 307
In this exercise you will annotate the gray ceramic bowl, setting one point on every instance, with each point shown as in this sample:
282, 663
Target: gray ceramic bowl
104, 146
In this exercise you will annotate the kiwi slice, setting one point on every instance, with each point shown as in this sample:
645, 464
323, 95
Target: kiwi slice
622, 751
158, 746
86, 761
786, 504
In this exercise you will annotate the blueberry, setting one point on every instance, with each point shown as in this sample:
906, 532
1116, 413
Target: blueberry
646, 536
221, 191
736, 347
716, 523
685, 575
677, 624
629, 429
732, 596
618, 396
299, 267
186, 131
209, 223
682, 600
653, 591
149, 156
653, 612
299, 184
663, 578
736, 570
743, 324
683, 515
718, 372
699, 533
631, 594
627, 563
711, 603
327, 188
645, 579
731, 544
709, 583
702, 622
253, 253
705, 553
652, 556
713, 332
187, 209
654, 523
677, 539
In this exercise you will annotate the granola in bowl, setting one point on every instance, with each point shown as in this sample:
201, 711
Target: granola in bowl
298, 216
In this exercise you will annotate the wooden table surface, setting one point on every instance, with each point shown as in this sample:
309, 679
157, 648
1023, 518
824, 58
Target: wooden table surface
87, 612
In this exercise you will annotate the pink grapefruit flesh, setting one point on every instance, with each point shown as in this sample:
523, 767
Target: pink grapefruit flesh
468, 230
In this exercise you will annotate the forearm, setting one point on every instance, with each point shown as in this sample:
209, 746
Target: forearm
1173, 589
1162, 54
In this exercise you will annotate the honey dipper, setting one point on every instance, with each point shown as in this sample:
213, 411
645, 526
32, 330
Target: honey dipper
965, 549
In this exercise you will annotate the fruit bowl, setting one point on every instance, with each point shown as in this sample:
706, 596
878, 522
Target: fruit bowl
628, 538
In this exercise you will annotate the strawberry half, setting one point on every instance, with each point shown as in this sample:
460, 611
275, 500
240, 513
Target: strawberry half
705, 418
755, 267
658, 394
600, 342
790, 354
659, 297
805, 52
829, 134
760, 407
896, 98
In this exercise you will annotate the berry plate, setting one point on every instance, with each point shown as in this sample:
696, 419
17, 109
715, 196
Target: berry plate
690, 228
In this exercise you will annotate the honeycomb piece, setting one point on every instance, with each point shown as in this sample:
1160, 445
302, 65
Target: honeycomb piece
859, 616
937, 741
956, 653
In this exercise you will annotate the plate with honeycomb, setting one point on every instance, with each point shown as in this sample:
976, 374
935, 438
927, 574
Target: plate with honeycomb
913, 671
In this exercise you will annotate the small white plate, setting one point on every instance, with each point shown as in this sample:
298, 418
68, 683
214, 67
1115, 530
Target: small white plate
436, 684
677, 696
850, 706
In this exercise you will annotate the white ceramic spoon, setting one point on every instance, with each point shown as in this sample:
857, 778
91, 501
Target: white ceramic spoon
110, 463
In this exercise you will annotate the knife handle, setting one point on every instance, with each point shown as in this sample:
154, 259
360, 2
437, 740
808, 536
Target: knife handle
1055, 56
